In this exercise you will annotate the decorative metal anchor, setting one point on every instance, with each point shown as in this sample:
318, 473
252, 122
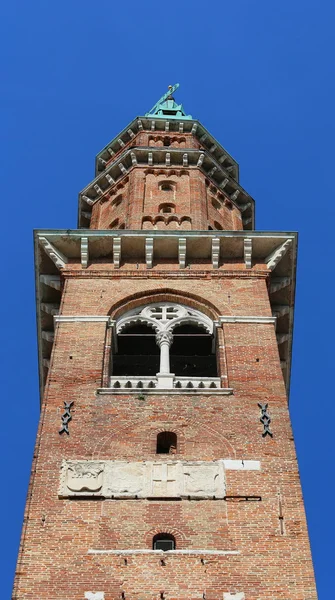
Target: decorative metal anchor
66, 418
265, 419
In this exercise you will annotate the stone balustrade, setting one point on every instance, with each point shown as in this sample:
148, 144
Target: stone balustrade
153, 382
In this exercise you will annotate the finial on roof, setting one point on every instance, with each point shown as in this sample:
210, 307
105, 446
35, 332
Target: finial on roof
167, 107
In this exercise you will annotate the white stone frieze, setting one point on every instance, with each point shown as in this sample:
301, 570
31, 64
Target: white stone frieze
147, 479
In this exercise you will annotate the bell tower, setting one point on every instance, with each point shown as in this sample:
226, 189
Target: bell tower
165, 465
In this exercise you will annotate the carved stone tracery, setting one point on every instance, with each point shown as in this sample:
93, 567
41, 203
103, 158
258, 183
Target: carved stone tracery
165, 316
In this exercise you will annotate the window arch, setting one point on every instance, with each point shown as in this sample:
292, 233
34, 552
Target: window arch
164, 345
113, 224
166, 442
164, 541
117, 201
216, 204
167, 186
167, 207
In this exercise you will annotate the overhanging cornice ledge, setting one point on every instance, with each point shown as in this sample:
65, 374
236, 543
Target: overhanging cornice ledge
247, 319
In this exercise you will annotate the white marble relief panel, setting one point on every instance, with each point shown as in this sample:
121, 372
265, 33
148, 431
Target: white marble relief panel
125, 479
82, 477
165, 479
147, 479
203, 479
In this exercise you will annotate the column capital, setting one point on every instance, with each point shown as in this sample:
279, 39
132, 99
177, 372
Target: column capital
164, 337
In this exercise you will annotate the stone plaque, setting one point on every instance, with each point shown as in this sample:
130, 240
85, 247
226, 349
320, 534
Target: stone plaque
204, 479
83, 476
125, 479
147, 479
165, 480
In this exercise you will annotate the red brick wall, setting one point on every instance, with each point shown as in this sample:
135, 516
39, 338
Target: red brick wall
58, 533
197, 202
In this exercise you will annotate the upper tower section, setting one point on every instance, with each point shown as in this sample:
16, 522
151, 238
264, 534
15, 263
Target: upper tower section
165, 171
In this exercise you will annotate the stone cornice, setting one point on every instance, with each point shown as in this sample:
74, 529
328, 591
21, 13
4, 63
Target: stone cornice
165, 158
164, 126
160, 274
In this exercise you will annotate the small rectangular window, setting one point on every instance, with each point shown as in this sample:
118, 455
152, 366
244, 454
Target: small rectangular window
164, 545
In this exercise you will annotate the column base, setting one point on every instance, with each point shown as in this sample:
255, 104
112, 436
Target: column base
165, 380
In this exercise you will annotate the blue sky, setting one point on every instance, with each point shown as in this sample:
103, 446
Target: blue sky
260, 76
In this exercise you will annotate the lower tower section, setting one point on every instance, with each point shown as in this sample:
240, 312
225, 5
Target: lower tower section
165, 466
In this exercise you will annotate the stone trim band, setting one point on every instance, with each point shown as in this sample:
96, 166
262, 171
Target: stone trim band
111, 322
163, 552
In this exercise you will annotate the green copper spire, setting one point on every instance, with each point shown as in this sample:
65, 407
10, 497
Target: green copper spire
167, 107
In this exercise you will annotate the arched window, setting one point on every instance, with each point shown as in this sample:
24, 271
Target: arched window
117, 201
167, 186
164, 345
167, 207
164, 541
167, 141
113, 224
216, 204
217, 225
166, 443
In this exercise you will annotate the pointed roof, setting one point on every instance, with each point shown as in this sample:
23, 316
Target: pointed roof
167, 107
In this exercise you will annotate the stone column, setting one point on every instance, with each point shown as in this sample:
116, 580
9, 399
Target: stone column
164, 340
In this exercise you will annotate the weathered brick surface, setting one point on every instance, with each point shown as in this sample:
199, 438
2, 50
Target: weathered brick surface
55, 563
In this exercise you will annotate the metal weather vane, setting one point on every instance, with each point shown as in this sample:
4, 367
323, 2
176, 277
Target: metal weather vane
166, 96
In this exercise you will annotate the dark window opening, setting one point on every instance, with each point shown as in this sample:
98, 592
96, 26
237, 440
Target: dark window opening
113, 224
164, 541
167, 141
137, 352
166, 187
166, 443
117, 201
216, 204
167, 207
192, 352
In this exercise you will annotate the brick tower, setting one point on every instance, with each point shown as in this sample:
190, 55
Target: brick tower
165, 465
